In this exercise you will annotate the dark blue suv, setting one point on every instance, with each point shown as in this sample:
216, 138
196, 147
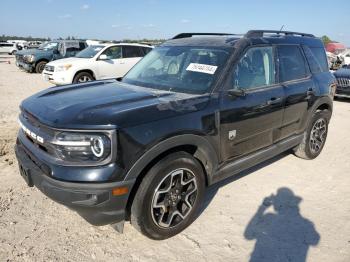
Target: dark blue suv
343, 82
197, 109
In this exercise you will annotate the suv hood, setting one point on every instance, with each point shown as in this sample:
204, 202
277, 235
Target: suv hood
343, 72
36, 52
68, 60
107, 104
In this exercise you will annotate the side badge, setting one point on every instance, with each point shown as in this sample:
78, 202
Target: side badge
232, 134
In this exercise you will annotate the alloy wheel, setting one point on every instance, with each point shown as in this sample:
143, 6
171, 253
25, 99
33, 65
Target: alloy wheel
318, 135
174, 198
83, 79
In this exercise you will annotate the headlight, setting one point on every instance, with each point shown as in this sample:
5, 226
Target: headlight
63, 67
82, 147
29, 58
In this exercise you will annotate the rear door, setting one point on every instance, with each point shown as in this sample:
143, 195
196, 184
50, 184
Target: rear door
131, 55
299, 88
251, 122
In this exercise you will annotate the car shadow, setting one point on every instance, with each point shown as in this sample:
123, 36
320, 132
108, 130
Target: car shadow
213, 189
342, 99
282, 234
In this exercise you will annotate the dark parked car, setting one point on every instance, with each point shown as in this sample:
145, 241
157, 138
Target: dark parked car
343, 82
192, 112
34, 60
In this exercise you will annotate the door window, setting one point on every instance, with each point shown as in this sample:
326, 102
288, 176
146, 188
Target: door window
292, 65
131, 51
255, 69
113, 52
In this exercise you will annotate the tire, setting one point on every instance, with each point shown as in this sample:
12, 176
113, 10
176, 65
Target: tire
153, 219
82, 77
313, 140
39, 68
13, 52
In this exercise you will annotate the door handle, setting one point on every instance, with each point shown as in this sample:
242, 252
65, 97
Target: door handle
274, 100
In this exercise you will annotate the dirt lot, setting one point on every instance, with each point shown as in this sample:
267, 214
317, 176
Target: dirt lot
310, 218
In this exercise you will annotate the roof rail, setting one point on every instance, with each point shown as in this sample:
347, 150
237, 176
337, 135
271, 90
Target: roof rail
260, 33
185, 35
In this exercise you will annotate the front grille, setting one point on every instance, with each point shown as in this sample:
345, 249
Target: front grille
343, 82
31, 123
49, 68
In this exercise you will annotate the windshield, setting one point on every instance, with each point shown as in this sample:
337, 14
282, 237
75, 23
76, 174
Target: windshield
47, 46
181, 69
90, 51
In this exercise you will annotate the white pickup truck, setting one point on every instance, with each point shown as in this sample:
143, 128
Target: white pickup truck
96, 62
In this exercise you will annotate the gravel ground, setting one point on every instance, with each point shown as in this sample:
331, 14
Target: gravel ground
286, 209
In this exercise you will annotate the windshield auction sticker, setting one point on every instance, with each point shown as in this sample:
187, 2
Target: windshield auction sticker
202, 68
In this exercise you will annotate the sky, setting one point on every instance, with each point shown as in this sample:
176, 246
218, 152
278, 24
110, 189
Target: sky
136, 19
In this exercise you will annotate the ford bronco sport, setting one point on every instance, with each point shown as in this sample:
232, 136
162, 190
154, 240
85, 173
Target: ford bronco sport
197, 109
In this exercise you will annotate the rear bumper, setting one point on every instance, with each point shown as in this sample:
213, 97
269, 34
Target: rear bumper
93, 201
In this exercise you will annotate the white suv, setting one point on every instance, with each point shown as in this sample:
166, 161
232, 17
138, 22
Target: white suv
96, 62
8, 48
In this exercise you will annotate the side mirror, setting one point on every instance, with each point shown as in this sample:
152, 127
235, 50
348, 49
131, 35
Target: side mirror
103, 57
236, 92
55, 51
119, 79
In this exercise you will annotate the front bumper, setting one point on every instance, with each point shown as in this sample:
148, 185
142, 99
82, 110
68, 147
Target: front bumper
25, 66
342, 92
57, 78
93, 201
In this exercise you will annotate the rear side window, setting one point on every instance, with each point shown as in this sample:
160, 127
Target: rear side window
131, 51
82, 45
292, 64
321, 58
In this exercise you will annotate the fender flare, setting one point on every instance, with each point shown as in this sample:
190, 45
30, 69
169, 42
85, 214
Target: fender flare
325, 100
205, 153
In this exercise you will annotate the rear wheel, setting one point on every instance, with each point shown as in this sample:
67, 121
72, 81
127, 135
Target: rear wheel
39, 68
82, 77
169, 197
314, 137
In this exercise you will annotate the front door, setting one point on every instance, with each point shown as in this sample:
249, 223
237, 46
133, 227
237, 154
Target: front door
113, 66
251, 121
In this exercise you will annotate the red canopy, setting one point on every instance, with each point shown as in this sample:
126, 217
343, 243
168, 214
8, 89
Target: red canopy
332, 47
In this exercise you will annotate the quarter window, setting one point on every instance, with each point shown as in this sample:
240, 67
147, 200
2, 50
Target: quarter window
292, 64
255, 69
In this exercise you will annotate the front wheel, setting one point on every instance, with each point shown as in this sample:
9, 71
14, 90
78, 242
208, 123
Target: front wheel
314, 137
39, 68
82, 77
169, 197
